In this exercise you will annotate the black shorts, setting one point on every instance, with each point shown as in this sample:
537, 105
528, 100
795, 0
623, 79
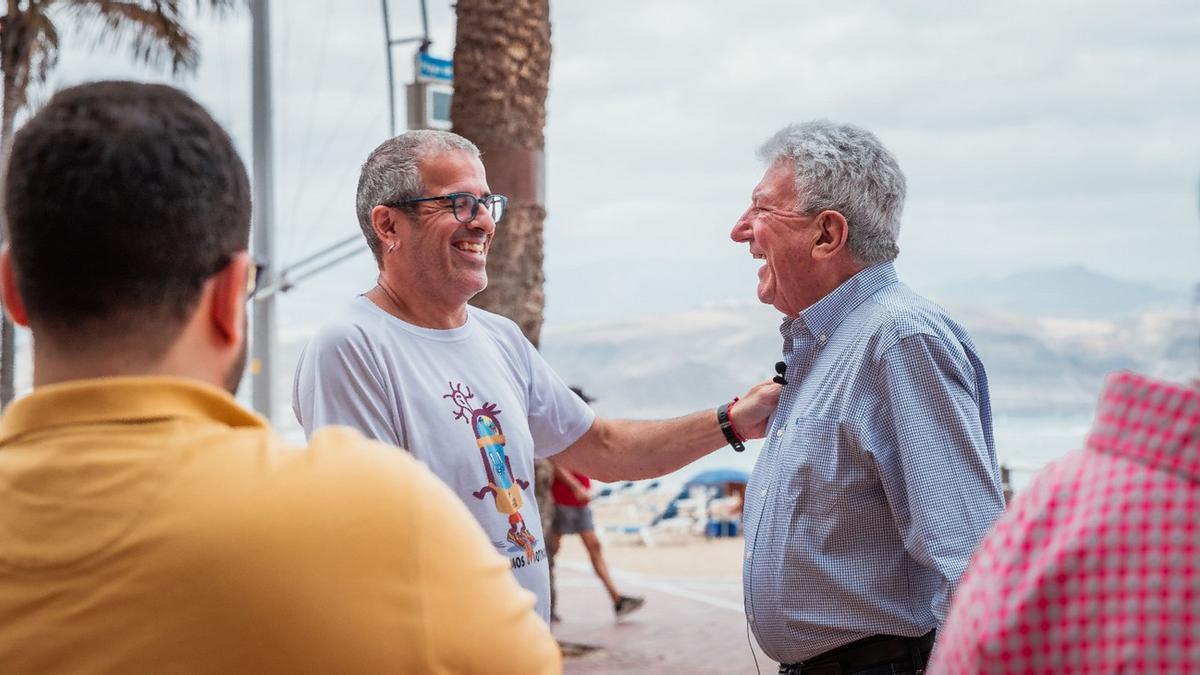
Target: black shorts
572, 519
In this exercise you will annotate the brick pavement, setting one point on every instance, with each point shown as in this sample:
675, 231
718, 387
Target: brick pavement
686, 626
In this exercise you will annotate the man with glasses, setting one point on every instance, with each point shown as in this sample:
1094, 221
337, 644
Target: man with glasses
410, 363
149, 523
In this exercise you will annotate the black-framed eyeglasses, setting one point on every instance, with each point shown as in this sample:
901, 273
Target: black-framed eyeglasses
465, 205
255, 274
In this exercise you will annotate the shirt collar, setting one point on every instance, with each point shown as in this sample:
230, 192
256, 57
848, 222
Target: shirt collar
823, 316
1151, 421
123, 399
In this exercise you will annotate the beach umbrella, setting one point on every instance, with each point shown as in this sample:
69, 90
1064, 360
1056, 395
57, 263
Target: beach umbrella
719, 477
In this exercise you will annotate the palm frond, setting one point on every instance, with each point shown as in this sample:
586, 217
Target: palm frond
28, 50
44, 54
218, 7
153, 30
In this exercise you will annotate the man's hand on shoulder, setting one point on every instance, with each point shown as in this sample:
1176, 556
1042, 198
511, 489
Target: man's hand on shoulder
752, 412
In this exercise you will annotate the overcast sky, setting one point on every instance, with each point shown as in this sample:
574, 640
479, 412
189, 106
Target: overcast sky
1033, 134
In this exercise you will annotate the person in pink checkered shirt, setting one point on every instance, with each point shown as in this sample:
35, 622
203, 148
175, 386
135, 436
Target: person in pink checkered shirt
1096, 566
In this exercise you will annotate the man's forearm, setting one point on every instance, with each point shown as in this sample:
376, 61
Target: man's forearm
633, 449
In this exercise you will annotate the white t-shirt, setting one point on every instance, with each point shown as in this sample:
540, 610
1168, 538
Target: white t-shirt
475, 403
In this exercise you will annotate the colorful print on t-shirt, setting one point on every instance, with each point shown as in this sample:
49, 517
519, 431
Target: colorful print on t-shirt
504, 487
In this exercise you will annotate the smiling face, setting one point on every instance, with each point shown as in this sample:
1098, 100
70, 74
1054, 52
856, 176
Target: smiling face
782, 238
439, 257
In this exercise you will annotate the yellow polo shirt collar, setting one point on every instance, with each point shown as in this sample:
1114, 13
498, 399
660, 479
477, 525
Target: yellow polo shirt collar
123, 399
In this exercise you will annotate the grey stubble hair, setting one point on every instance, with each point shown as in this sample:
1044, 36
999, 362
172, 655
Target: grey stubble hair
392, 173
844, 168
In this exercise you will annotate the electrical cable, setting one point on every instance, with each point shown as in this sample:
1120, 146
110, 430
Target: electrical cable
303, 235
751, 645
306, 129
306, 174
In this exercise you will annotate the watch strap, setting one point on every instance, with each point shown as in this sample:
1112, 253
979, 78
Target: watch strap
731, 436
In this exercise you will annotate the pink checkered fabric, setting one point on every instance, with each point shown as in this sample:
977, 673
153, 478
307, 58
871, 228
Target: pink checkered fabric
1096, 566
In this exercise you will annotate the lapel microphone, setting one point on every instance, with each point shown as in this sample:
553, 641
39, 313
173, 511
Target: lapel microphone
780, 369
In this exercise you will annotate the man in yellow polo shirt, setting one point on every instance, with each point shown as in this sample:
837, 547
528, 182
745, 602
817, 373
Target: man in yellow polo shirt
148, 523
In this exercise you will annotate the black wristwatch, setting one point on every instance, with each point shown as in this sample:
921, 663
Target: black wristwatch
731, 435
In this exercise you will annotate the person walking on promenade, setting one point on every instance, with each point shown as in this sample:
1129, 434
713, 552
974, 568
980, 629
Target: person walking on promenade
573, 515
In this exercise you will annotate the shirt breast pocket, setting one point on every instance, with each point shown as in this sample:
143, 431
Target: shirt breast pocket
821, 467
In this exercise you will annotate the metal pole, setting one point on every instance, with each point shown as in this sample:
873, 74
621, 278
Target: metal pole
262, 343
387, 45
323, 253
289, 280
424, 25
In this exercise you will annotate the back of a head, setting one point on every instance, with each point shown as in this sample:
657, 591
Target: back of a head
844, 168
122, 199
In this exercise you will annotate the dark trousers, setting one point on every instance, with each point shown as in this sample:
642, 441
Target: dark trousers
875, 655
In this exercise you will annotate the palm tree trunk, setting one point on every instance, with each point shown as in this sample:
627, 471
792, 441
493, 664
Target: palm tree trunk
501, 78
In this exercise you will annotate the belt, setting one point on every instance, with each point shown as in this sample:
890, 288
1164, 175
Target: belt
869, 652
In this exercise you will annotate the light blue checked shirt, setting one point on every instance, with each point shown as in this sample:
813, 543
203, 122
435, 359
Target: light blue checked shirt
878, 475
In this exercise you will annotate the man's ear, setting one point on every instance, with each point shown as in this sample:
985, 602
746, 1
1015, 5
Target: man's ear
385, 222
14, 305
833, 233
227, 302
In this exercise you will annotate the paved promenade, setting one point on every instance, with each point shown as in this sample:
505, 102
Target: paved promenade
689, 624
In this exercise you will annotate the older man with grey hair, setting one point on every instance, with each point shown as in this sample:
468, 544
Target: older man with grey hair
878, 477
410, 363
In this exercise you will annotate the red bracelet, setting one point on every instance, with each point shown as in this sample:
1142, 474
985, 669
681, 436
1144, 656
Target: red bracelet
732, 437
729, 412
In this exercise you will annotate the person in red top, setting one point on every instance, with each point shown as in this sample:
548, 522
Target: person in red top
572, 515
1096, 566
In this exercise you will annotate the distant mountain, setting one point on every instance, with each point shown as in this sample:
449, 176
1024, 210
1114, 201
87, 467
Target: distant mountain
670, 363
1047, 338
1074, 291
684, 361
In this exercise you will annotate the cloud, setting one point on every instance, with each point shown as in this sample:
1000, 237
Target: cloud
1032, 133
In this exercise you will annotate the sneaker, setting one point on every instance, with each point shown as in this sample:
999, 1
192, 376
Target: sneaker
627, 604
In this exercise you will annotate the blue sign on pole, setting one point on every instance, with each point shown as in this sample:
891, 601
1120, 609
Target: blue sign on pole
433, 69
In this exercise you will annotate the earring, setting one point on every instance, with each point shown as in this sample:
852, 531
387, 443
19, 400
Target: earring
391, 247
